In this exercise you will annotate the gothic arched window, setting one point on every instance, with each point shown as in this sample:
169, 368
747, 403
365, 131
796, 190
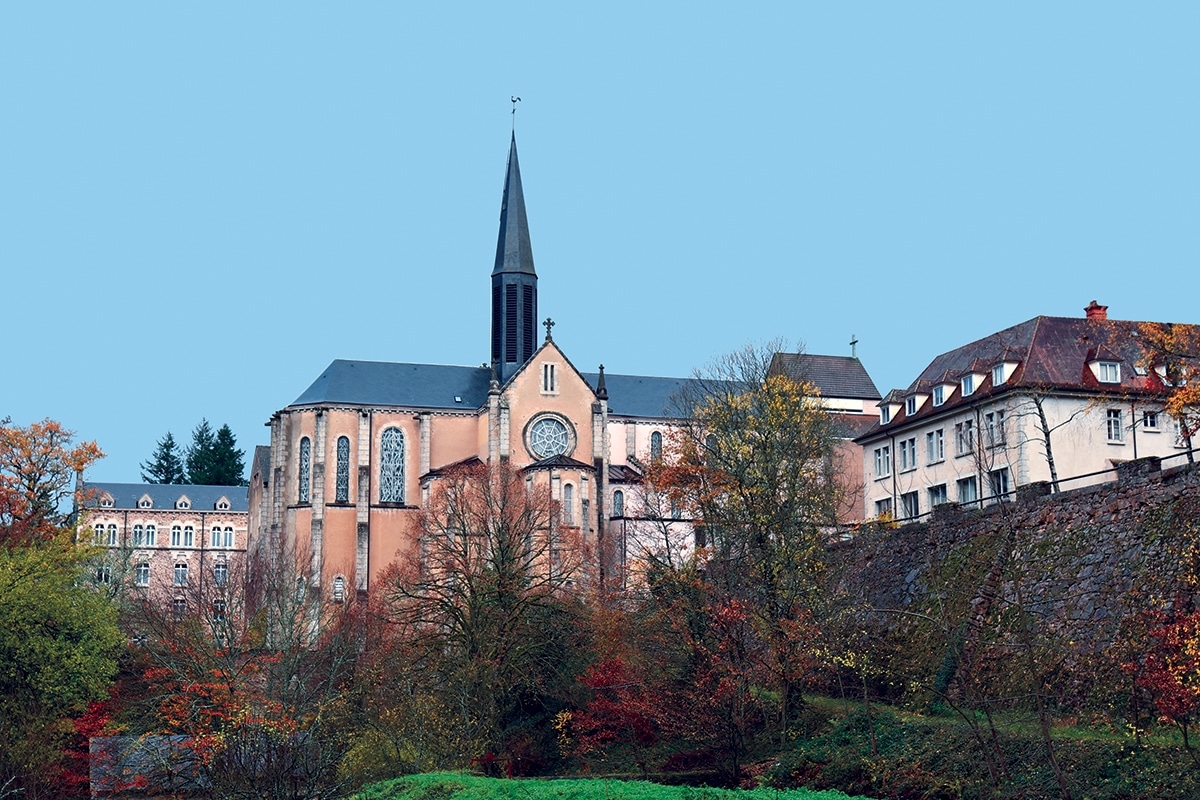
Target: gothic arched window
618, 503
343, 470
305, 469
391, 466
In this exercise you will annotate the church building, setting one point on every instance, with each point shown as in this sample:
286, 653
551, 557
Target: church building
354, 456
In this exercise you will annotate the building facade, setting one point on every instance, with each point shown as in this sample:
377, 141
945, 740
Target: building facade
1054, 399
353, 459
168, 538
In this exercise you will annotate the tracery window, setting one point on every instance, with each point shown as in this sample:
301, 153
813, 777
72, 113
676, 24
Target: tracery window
343, 470
339, 589
656, 446
391, 466
305, 469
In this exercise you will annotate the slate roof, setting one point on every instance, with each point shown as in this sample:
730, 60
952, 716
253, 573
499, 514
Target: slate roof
834, 376
164, 495
384, 383
1052, 354
513, 250
641, 396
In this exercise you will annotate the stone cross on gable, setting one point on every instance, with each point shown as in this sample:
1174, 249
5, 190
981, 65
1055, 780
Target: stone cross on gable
549, 323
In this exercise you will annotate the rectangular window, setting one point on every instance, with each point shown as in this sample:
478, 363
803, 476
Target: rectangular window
937, 496
104, 574
220, 573
885, 415
998, 478
994, 425
910, 504
1150, 420
883, 508
548, 384
141, 575
1108, 372
178, 607
218, 611
968, 385
181, 574
908, 454
968, 490
939, 395
883, 461
1116, 432
910, 406
997, 375
935, 446
964, 437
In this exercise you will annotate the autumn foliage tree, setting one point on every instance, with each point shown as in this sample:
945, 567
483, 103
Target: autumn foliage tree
1172, 351
58, 640
754, 467
254, 673
484, 601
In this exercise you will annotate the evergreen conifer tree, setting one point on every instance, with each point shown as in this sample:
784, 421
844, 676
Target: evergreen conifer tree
165, 466
200, 455
214, 459
228, 459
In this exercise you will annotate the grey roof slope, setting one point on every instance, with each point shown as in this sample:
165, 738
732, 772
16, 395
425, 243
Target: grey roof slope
834, 376
513, 250
641, 396
384, 383
164, 495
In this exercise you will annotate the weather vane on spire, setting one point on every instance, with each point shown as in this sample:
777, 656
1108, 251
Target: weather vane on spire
515, 100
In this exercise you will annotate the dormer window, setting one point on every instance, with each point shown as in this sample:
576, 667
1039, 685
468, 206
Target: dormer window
997, 375
145, 502
885, 415
968, 385
106, 501
1108, 372
910, 406
939, 395
183, 503
222, 504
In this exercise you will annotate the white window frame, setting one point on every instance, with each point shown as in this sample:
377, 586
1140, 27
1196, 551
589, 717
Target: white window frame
181, 573
883, 461
910, 406
1108, 371
141, 575
939, 395
937, 496
964, 437
964, 483
993, 422
1150, 422
910, 504
883, 507
968, 385
935, 445
1114, 421
908, 454
1000, 484
998, 375
885, 415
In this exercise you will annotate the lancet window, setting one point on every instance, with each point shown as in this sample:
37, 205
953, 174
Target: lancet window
343, 470
305, 469
391, 466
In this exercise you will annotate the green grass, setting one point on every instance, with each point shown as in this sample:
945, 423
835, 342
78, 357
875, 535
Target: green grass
454, 786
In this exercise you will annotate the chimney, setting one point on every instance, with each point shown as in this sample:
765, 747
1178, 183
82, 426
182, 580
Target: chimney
1096, 311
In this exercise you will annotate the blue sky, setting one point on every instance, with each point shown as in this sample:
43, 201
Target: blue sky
202, 205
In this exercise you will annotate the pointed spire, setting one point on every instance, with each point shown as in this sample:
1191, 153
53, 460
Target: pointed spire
601, 389
513, 251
